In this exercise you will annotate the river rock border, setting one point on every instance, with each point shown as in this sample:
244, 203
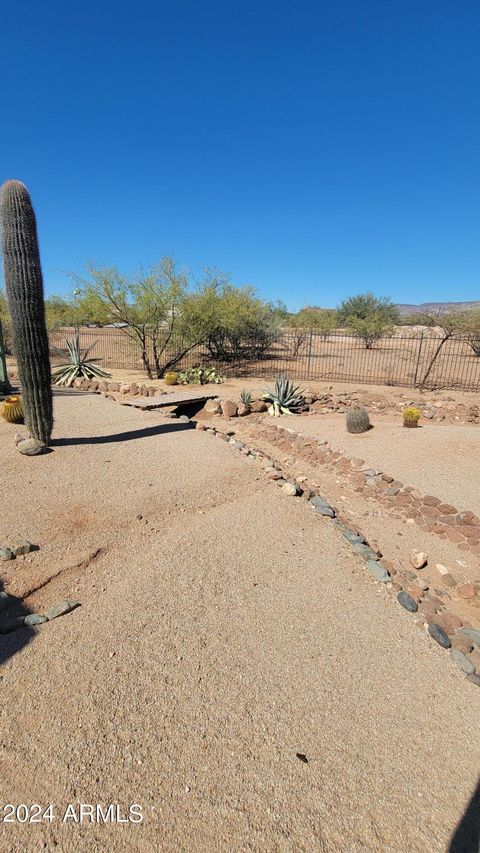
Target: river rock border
430, 513
412, 593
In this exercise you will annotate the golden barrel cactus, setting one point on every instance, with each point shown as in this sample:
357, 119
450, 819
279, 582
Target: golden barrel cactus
12, 409
171, 378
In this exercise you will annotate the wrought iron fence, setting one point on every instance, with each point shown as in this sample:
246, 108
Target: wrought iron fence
400, 360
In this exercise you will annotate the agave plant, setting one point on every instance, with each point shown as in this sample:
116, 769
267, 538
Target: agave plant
285, 398
246, 397
79, 365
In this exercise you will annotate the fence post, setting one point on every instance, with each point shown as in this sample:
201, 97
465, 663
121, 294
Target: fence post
309, 356
418, 361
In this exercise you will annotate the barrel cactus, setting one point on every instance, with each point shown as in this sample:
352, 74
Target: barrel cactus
24, 287
171, 377
358, 420
12, 409
411, 416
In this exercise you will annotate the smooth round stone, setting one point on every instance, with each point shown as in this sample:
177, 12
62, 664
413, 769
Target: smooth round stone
6, 554
407, 601
440, 636
474, 679
289, 489
34, 619
462, 661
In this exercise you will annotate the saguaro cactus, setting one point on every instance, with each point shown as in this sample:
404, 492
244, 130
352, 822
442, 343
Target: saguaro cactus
4, 383
24, 286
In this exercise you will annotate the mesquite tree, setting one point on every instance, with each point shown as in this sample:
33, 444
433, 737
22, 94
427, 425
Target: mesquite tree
24, 286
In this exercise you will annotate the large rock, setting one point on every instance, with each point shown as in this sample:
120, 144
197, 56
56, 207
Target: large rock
213, 407
31, 447
259, 406
243, 410
229, 408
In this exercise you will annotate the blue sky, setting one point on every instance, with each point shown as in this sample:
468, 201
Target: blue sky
312, 149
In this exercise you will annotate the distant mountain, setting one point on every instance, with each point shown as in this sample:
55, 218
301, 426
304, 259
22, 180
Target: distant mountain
436, 307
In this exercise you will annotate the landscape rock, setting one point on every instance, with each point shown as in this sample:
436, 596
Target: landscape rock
379, 572
406, 601
61, 608
418, 559
352, 537
322, 506
34, 619
466, 590
242, 410
437, 633
6, 554
290, 489
472, 634
366, 552
258, 406
474, 679
31, 447
462, 661
463, 644
4, 601
273, 474
229, 408
22, 547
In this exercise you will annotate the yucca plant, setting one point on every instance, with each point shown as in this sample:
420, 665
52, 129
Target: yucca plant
411, 416
246, 397
12, 409
79, 366
285, 398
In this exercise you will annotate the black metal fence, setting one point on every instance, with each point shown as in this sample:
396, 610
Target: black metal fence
407, 361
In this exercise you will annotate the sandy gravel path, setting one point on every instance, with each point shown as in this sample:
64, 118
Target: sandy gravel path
211, 647
439, 459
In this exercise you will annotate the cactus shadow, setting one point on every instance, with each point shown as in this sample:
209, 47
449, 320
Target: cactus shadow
12, 641
466, 837
129, 435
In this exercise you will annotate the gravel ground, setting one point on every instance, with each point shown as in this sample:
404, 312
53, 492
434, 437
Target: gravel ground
213, 644
438, 459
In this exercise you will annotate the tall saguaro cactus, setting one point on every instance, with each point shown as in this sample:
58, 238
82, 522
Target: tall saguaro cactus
4, 383
24, 286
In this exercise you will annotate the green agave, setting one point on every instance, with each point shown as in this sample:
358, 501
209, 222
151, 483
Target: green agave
285, 398
79, 366
246, 397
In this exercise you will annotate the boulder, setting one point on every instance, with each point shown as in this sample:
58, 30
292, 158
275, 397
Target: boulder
229, 408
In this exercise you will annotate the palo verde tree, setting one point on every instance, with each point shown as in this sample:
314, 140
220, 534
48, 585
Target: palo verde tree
368, 317
150, 308
450, 324
310, 320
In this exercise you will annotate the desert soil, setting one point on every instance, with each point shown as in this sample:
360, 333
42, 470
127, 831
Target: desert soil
223, 633
438, 459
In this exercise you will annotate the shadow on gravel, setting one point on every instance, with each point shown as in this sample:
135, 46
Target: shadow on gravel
131, 435
466, 838
13, 635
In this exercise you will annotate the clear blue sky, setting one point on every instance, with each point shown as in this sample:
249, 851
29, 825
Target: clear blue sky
312, 149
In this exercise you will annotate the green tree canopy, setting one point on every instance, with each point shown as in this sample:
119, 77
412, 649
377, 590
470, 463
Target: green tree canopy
368, 317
